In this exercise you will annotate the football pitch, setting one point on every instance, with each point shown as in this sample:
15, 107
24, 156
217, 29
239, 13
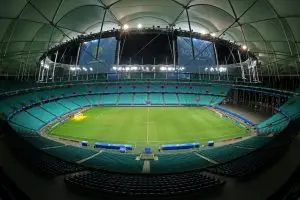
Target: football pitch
148, 126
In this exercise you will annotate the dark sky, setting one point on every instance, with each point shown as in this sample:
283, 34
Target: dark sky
158, 48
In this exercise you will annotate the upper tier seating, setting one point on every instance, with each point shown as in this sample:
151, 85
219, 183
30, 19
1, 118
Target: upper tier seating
205, 99
143, 186
26, 120
116, 162
178, 163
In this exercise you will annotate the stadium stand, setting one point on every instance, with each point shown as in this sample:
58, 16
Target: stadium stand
138, 185
55, 108
125, 99
224, 153
42, 142
140, 99
275, 124
187, 99
245, 166
156, 99
115, 162
70, 153
26, 120
81, 101
39, 113
170, 99
178, 163
68, 104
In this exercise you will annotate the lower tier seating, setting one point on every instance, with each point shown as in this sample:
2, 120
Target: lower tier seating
171, 99
246, 166
156, 99
115, 162
70, 153
143, 186
26, 120
178, 162
225, 153
41, 114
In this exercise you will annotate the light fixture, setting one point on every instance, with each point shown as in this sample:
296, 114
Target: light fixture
213, 34
140, 26
91, 69
244, 47
125, 27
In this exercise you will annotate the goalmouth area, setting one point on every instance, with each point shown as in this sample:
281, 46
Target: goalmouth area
148, 126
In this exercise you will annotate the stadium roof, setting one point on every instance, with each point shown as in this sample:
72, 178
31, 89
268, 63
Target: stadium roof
270, 28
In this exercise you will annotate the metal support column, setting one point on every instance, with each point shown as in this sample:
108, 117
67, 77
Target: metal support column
190, 28
54, 66
102, 23
241, 64
118, 52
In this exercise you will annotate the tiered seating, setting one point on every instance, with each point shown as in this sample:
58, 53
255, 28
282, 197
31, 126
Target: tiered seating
292, 107
109, 99
245, 166
68, 104
224, 153
155, 88
96, 88
7, 107
170, 99
219, 90
42, 142
26, 120
140, 99
81, 101
156, 99
275, 124
254, 142
178, 163
112, 89
187, 99
55, 108
125, 99
140, 88
143, 186
126, 88
94, 99
171, 88
23, 130
215, 100
116, 162
41, 114
205, 99
71, 153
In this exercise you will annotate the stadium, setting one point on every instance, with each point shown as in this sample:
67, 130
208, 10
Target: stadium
139, 99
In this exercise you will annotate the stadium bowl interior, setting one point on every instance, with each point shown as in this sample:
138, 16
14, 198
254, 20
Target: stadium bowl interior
139, 99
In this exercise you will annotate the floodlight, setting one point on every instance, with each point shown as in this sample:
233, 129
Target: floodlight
84, 69
91, 69
213, 34
244, 47
140, 26
212, 69
125, 27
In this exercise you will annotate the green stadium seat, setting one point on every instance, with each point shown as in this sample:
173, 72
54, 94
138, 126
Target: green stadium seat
178, 163
115, 162
41, 114
26, 120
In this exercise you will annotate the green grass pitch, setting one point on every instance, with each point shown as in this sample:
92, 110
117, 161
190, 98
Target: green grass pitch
149, 126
